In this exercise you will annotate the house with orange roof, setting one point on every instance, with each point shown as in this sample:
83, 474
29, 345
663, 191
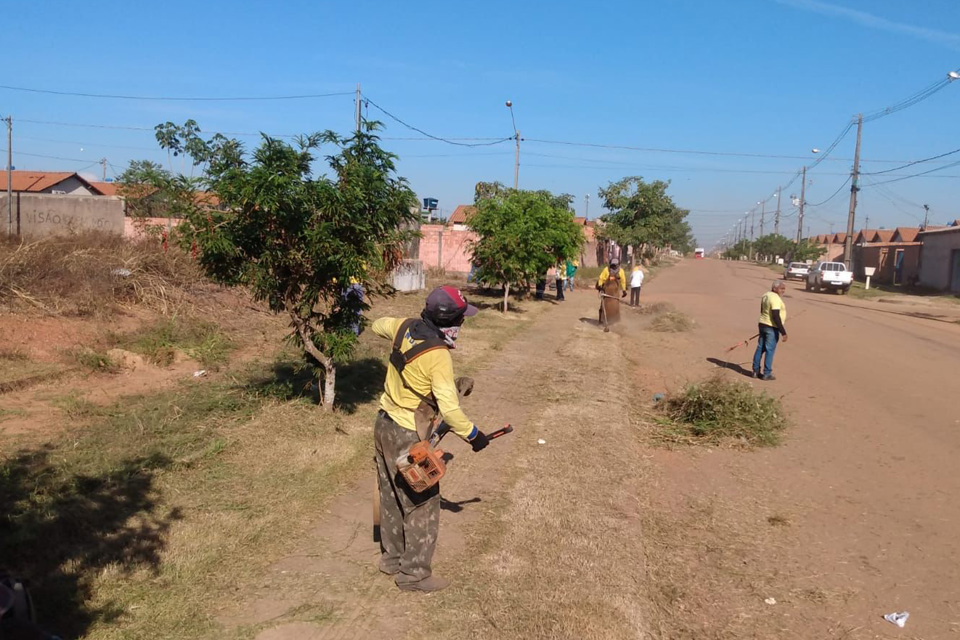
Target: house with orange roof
894, 255
67, 183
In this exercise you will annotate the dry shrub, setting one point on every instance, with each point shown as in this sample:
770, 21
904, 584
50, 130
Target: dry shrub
92, 274
719, 410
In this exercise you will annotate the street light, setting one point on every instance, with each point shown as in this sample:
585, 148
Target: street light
516, 136
953, 75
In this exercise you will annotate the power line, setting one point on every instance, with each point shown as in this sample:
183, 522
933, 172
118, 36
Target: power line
919, 96
831, 197
306, 96
917, 175
910, 164
38, 155
431, 136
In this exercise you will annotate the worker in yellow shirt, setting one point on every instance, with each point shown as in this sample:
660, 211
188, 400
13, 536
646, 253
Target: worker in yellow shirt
613, 272
420, 374
773, 317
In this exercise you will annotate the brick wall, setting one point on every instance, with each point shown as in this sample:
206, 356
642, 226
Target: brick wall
446, 248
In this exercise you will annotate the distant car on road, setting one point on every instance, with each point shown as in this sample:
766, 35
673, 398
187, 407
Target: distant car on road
831, 276
798, 270
698, 253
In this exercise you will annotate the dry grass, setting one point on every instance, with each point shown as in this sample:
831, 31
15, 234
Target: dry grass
557, 554
145, 522
92, 274
672, 322
719, 410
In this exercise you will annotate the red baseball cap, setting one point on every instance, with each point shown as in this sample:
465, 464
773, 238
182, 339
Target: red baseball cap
446, 304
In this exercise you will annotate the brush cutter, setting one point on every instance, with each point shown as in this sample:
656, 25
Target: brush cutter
422, 464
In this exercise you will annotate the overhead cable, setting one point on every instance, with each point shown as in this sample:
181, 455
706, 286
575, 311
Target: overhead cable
433, 137
305, 96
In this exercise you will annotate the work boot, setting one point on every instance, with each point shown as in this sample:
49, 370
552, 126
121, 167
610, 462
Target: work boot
391, 569
757, 374
769, 376
427, 585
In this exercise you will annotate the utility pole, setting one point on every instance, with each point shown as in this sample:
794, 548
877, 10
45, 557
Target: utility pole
803, 193
926, 216
103, 165
854, 187
516, 136
516, 163
866, 222
357, 113
751, 224
9, 175
776, 218
763, 213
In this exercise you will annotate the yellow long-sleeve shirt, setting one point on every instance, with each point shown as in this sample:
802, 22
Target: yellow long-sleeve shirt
606, 274
431, 372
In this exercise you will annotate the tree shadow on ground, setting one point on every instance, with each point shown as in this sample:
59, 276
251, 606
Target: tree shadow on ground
60, 529
358, 382
733, 366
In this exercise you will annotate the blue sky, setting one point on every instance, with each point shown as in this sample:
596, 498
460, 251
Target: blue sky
767, 77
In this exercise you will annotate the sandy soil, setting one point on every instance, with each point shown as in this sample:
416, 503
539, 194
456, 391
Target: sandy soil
855, 515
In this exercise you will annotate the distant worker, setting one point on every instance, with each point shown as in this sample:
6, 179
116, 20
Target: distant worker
611, 282
773, 316
561, 276
410, 521
636, 281
572, 266
613, 272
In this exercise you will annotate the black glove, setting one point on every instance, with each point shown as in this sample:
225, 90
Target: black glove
479, 442
623, 294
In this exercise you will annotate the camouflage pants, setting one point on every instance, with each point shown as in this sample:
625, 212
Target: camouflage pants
409, 521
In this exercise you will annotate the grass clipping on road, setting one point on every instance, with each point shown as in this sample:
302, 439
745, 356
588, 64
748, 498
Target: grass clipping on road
719, 411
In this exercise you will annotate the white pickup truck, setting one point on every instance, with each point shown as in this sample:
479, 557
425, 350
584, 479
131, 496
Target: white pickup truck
831, 276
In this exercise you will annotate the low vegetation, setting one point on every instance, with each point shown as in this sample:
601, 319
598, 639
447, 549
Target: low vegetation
92, 274
163, 342
721, 411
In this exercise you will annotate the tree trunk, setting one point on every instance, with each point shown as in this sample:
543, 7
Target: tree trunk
329, 385
506, 293
329, 368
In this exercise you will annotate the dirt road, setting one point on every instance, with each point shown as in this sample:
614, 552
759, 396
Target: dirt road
602, 532
856, 514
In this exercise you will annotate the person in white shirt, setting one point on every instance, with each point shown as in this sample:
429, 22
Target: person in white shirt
636, 281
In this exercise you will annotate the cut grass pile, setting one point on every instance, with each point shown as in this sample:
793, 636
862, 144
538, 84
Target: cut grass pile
671, 322
718, 411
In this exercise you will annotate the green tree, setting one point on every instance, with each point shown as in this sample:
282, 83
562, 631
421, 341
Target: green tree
743, 248
642, 214
297, 241
773, 245
806, 250
521, 234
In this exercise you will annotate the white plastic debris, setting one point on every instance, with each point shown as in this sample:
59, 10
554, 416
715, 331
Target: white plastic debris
123, 273
200, 374
898, 619
541, 441
771, 601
